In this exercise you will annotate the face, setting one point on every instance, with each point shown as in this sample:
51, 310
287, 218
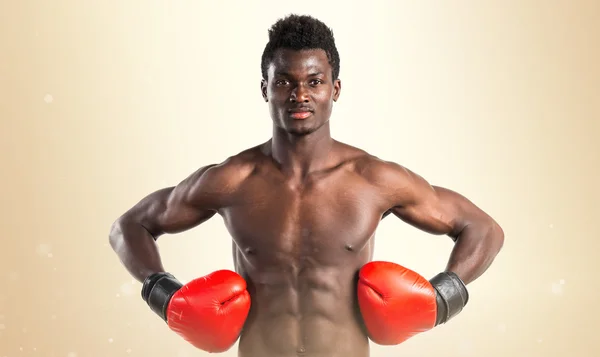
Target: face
300, 90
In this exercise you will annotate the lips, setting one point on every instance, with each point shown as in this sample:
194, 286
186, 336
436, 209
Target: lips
300, 113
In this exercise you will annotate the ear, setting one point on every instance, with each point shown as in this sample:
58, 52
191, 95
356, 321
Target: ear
337, 88
263, 89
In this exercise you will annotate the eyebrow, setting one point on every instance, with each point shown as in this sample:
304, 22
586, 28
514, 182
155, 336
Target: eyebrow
312, 74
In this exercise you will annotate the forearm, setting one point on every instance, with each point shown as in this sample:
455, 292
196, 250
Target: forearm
475, 249
136, 248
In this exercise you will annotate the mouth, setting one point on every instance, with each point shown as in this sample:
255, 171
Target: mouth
300, 113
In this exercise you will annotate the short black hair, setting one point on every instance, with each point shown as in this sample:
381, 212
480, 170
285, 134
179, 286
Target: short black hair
300, 32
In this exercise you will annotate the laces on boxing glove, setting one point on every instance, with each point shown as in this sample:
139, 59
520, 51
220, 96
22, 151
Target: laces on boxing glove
157, 291
452, 296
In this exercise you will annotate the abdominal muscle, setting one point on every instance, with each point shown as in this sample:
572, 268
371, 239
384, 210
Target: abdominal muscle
307, 313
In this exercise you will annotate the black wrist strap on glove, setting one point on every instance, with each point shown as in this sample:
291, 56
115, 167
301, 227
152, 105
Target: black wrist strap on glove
452, 296
157, 290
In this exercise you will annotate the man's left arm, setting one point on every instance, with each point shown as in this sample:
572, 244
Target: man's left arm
478, 237
389, 292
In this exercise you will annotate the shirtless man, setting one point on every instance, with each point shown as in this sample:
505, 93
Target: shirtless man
302, 210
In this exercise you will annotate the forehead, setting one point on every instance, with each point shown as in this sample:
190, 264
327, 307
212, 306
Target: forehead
299, 62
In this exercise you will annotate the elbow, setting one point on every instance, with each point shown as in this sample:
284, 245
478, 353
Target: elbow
115, 236
496, 237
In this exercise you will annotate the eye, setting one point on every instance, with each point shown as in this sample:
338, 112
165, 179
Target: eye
315, 82
281, 82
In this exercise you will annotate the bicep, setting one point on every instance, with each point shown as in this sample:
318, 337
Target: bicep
173, 209
411, 198
435, 210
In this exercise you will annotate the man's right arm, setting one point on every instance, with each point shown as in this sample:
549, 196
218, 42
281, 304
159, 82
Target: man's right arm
170, 210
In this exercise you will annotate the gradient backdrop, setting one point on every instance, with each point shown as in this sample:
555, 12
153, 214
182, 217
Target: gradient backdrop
103, 102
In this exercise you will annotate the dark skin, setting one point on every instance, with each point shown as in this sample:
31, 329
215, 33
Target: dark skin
302, 210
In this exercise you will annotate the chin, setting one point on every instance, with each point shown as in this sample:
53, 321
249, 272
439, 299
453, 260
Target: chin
297, 128
300, 131
301, 128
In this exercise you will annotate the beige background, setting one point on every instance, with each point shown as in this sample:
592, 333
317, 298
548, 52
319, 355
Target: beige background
102, 102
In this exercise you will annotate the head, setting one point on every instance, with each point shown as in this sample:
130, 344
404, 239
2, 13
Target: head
300, 67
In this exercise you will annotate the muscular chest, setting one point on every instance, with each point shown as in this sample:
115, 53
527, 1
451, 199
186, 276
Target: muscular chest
322, 221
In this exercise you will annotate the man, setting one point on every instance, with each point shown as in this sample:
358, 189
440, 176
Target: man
302, 210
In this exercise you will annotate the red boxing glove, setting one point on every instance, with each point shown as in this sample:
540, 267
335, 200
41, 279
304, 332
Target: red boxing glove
396, 303
208, 312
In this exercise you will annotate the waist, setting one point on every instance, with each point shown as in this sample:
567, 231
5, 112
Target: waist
325, 300
307, 335
313, 312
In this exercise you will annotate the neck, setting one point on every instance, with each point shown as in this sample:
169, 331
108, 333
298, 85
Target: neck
299, 155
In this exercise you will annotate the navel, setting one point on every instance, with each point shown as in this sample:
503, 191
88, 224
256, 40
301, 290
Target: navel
349, 248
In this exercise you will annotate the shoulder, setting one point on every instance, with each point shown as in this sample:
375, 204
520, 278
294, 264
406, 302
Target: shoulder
378, 171
391, 179
368, 166
215, 181
233, 170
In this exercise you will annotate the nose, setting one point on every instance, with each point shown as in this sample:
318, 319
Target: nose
299, 95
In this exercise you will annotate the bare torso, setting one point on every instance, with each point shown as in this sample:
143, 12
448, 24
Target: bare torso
300, 239
299, 245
